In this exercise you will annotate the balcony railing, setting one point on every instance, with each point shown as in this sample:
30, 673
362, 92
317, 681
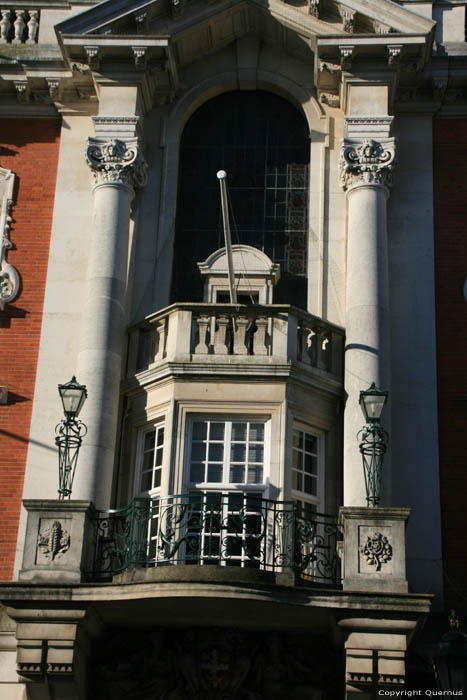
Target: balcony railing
234, 529
225, 334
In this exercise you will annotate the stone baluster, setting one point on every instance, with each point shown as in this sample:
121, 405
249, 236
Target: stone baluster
33, 26
203, 324
20, 26
366, 174
220, 336
117, 168
322, 350
5, 26
239, 342
259, 338
160, 332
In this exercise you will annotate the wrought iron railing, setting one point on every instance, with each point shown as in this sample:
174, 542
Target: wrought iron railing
234, 529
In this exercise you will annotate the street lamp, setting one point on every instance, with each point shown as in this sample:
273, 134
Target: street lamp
69, 434
373, 441
450, 663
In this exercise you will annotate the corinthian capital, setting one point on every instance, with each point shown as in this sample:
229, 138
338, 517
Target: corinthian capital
366, 161
116, 162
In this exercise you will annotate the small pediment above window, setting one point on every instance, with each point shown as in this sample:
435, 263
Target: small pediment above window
255, 275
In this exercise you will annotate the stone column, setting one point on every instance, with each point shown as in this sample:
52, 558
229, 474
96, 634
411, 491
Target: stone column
117, 168
366, 172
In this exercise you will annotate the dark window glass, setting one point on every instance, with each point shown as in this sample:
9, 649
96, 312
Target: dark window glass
262, 142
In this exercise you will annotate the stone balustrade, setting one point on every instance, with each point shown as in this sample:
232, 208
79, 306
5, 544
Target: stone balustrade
203, 333
19, 26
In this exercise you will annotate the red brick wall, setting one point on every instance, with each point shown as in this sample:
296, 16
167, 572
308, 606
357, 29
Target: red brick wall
450, 189
29, 148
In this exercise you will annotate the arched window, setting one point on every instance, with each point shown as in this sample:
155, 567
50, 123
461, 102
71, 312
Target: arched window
262, 142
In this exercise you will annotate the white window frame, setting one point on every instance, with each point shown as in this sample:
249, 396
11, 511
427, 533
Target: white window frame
142, 432
303, 496
224, 485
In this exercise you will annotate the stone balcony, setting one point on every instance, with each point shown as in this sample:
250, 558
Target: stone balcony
272, 339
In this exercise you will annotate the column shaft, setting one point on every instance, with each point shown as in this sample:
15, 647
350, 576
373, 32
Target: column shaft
117, 167
366, 169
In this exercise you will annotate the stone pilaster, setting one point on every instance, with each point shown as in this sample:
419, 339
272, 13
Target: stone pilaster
366, 171
117, 168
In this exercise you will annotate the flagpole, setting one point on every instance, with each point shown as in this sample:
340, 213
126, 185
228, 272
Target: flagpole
222, 176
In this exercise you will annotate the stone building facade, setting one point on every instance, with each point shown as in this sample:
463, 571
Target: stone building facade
218, 542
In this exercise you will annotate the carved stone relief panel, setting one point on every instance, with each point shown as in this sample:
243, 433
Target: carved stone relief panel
214, 664
9, 277
53, 540
375, 550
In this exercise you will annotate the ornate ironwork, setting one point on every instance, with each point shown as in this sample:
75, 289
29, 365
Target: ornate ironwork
228, 529
373, 441
69, 436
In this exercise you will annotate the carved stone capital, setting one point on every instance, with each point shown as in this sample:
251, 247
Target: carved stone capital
366, 161
116, 162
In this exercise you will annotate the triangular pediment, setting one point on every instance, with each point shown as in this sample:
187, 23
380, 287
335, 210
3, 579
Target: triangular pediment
164, 36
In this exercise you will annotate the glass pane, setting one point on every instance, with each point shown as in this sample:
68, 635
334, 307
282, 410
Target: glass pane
158, 458
216, 452
239, 431
310, 443
296, 481
199, 430
198, 451
160, 437
146, 481
217, 431
157, 478
310, 485
297, 459
257, 431
149, 440
255, 474
147, 461
311, 464
256, 453
197, 472
238, 453
237, 474
215, 473
298, 439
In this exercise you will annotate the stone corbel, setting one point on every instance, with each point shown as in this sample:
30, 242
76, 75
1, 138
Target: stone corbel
381, 28
367, 161
329, 98
346, 53
394, 55
116, 162
93, 56
140, 55
347, 16
54, 89
141, 21
9, 277
23, 91
439, 88
313, 8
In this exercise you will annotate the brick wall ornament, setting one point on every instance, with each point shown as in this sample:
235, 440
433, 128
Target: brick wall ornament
377, 550
367, 162
9, 277
53, 540
116, 162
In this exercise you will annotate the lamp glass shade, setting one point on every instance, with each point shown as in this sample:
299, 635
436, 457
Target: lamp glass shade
372, 402
73, 396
